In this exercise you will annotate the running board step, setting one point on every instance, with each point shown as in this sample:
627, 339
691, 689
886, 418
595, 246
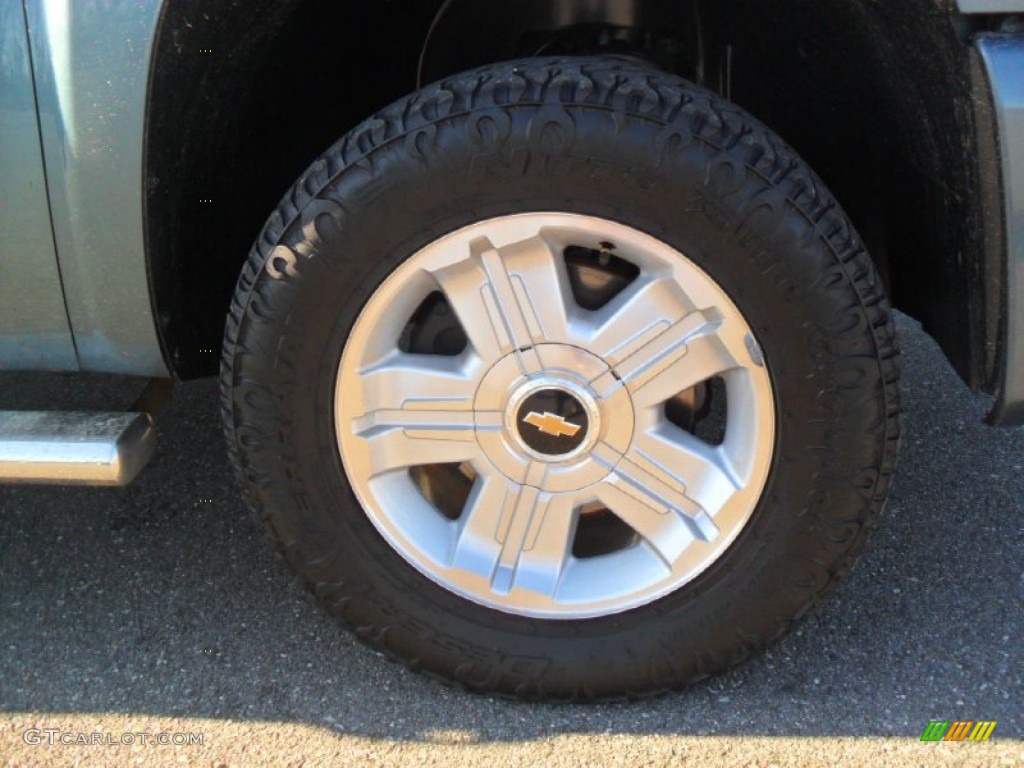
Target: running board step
74, 447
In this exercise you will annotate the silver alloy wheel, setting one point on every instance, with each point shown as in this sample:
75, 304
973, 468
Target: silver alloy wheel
536, 473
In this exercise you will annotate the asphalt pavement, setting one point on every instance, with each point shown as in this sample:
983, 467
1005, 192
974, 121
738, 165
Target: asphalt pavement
159, 608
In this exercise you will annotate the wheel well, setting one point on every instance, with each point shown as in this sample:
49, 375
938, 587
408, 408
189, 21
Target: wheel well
882, 99
243, 96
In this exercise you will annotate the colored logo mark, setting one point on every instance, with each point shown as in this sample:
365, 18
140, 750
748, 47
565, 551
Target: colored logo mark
551, 424
958, 730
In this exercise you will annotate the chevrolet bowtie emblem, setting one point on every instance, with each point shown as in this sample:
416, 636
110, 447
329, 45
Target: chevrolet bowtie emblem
551, 424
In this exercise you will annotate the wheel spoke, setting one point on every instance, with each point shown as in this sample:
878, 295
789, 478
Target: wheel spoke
682, 356
403, 438
685, 361
478, 544
405, 381
516, 536
680, 460
541, 285
666, 498
540, 562
508, 300
665, 530
417, 409
636, 316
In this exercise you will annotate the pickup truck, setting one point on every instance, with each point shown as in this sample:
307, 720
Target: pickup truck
555, 337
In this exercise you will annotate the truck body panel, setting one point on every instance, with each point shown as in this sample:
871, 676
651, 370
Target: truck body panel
91, 60
34, 329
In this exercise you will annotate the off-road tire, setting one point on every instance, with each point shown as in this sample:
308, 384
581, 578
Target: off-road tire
608, 138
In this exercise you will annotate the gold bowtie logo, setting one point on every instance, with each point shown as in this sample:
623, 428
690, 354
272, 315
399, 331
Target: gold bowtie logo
551, 424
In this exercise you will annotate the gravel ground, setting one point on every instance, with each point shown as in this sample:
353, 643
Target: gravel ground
158, 608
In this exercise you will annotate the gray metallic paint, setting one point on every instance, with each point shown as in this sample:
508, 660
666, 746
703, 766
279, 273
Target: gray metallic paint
990, 6
1004, 59
34, 330
91, 60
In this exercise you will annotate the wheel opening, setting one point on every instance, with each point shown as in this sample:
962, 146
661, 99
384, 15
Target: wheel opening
701, 410
599, 531
445, 486
597, 276
433, 329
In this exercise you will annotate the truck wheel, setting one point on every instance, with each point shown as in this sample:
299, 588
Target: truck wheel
565, 379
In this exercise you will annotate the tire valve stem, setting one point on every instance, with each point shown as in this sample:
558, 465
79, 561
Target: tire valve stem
604, 256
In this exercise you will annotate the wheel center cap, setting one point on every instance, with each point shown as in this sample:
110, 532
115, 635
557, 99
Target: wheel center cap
549, 428
552, 421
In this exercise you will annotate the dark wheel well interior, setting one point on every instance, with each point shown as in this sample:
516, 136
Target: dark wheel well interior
882, 99
243, 96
